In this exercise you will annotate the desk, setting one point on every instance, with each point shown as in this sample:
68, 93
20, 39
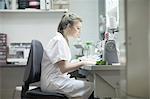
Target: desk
106, 79
11, 75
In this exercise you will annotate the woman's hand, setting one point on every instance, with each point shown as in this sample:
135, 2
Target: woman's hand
88, 62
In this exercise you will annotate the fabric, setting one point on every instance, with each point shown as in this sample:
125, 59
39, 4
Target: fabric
51, 77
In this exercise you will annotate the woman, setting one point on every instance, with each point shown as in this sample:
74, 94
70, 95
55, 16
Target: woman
56, 62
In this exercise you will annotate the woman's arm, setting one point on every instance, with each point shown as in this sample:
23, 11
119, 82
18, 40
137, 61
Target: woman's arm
66, 66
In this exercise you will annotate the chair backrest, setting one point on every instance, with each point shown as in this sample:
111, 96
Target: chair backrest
33, 69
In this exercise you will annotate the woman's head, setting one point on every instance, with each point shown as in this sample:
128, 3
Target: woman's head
70, 25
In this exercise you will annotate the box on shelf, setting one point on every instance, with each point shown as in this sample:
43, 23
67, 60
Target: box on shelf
3, 48
60, 4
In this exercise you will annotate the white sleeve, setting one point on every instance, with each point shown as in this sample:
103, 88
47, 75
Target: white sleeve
59, 51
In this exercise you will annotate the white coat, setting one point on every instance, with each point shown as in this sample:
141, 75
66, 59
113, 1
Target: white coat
52, 79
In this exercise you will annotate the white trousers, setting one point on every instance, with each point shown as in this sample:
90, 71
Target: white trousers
72, 88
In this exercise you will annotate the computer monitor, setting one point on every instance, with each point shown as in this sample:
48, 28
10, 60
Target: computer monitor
110, 51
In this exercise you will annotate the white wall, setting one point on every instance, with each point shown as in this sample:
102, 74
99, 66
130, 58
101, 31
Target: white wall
23, 27
88, 10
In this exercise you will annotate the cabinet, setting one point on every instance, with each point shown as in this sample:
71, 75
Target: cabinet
11, 76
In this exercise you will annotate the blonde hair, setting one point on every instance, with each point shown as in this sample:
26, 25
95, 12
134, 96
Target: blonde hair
68, 18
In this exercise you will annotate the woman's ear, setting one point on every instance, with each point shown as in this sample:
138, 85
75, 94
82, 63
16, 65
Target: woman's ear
68, 26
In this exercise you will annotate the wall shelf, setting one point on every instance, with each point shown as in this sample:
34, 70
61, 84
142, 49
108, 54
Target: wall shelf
35, 10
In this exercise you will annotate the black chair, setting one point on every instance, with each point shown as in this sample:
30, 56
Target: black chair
32, 74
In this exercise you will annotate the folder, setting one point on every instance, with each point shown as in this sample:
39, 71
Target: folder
48, 4
2, 4
7, 4
42, 4
14, 4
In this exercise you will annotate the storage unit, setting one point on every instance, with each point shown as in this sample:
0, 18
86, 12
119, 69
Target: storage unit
3, 48
34, 4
